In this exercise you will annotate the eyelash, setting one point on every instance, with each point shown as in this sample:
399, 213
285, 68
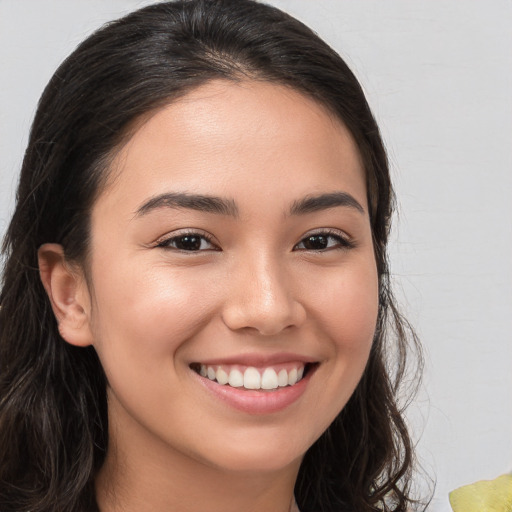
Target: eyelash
342, 242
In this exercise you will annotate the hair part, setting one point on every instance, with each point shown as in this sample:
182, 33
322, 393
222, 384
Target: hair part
53, 409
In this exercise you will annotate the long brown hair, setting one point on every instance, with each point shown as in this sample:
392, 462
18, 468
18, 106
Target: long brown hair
53, 411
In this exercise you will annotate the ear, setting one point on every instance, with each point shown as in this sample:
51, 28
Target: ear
68, 293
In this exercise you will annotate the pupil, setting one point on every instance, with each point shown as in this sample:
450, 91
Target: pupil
315, 242
189, 243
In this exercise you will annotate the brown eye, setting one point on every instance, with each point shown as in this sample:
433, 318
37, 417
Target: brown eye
188, 243
192, 242
315, 242
322, 242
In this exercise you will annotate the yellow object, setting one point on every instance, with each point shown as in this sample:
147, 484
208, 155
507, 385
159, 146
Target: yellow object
484, 496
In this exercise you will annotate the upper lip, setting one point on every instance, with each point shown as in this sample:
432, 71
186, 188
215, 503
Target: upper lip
259, 359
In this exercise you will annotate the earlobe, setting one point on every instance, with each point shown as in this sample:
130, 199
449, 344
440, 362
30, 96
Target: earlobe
68, 294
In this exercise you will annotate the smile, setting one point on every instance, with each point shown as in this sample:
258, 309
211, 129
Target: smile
254, 384
252, 378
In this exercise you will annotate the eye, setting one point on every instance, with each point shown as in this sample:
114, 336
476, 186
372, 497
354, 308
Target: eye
324, 241
188, 242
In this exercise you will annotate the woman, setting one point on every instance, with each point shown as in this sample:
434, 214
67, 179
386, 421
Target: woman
195, 311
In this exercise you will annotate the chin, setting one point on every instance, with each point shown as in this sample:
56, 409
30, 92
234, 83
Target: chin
256, 458
260, 465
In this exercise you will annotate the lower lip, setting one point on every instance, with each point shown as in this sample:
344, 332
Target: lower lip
254, 401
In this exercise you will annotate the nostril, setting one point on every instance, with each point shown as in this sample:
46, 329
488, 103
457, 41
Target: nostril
267, 309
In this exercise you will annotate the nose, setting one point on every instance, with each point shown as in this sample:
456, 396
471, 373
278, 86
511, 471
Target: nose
263, 298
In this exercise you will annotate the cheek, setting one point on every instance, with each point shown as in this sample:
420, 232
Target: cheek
344, 304
140, 316
347, 307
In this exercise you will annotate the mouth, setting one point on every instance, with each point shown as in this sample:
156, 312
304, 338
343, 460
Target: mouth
266, 378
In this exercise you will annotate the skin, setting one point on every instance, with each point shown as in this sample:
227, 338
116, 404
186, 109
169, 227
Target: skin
151, 310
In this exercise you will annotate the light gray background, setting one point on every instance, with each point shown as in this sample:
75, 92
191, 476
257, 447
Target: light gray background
439, 78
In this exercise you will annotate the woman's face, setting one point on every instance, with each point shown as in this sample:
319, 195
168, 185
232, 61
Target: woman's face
232, 244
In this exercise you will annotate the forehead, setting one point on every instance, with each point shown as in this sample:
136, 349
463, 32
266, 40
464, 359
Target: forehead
228, 132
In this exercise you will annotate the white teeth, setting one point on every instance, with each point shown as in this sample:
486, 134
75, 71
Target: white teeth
282, 378
292, 377
222, 377
269, 379
252, 378
236, 379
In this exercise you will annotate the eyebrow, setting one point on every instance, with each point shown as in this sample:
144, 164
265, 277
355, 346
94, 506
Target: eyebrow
312, 204
199, 202
221, 206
